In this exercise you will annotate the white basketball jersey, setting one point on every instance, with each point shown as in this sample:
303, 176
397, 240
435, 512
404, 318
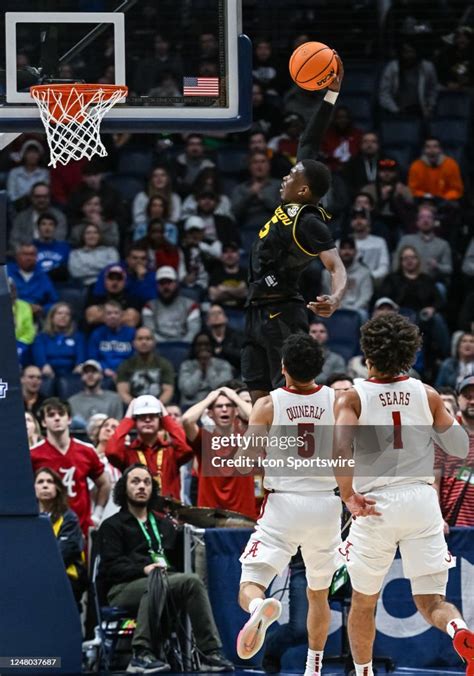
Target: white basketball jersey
302, 430
394, 442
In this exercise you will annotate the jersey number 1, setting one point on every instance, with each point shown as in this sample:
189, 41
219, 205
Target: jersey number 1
397, 430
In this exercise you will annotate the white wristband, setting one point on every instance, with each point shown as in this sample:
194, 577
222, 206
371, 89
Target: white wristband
98, 512
331, 97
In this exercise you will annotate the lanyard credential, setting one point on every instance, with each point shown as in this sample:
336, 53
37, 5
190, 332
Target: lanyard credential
156, 556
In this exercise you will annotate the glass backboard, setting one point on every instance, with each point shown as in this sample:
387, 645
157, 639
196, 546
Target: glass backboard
185, 62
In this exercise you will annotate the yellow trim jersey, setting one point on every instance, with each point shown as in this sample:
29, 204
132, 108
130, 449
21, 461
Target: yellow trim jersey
287, 243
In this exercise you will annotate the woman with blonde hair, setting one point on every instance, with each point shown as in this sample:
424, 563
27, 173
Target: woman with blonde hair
59, 349
33, 429
159, 184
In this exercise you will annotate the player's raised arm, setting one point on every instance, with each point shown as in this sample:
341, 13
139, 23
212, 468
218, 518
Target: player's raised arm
325, 305
346, 413
448, 433
312, 136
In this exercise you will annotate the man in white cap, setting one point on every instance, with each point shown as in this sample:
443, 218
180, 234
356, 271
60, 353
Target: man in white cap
171, 316
160, 443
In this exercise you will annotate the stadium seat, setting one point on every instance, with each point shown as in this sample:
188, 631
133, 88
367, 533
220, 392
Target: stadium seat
127, 186
232, 160
175, 351
401, 152
343, 328
75, 295
360, 108
236, 319
401, 131
450, 130
135, 163
453, 104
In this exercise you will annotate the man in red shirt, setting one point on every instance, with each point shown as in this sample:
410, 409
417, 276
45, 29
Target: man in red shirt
160, 444
236, 493
455, 479
74, 461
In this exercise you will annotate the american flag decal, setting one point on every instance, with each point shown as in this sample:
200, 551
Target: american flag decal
200, 86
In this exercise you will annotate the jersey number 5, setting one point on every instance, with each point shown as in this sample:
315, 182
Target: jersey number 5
306, 432
397, 430
266, 228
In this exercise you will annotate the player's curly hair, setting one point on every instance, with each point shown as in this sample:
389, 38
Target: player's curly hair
120, 488
390, 342
302, 357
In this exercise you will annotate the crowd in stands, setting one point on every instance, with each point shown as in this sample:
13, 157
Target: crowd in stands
122, 295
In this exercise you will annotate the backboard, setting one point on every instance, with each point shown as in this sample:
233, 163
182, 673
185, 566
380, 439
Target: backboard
185, 62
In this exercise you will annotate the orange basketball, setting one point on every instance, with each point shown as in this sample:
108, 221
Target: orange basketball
313, 66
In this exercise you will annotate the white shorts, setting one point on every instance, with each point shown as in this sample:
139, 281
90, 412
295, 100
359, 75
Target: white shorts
411, 520
311, 521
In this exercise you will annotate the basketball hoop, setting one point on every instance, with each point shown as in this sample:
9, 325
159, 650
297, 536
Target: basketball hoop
71, 114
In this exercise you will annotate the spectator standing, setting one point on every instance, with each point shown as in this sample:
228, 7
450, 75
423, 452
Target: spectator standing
454, 369
197, 254
232, 492
86, 262
171, 316
52, 500
253, 201
92, 399
105, 430
201, 373
266, 116
360, 286
454, 483
132, 544
371, 249
455, 63
409, 85
392, 198
342, 139
32, 284
73, 460
146, 372
434, 173
188, 165
111, 343
53, 254
228, 279
363, 168
25, 329
21, 179
59, 349
25, 229
434, 252
265, 67
30, 389
333, 362
159, 185
160, 443
226, 343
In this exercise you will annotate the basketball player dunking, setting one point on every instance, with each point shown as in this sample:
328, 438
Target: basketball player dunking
300, 510
296, 234
393, 486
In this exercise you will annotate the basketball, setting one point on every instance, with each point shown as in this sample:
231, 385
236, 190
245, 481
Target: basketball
313, 66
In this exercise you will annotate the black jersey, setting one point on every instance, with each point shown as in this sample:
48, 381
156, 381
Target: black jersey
294, 236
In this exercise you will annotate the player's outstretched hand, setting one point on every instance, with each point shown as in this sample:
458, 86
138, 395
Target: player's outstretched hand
323, 305
359, 505
335, 85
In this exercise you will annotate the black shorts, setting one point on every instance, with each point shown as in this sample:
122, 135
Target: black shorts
266, 327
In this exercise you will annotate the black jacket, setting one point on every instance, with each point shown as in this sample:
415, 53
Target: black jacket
124, 549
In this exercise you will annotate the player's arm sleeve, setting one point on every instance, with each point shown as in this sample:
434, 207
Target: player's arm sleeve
453, 440
312, 236
312, 136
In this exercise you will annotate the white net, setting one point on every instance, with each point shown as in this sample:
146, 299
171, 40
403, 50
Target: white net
71, 115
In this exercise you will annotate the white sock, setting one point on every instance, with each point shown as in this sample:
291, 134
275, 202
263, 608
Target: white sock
254, 604
454, 625
364, 669
314, 662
